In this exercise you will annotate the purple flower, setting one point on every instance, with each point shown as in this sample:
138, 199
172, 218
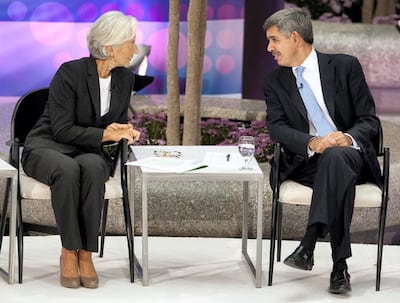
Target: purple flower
392, 19
214, 131
344, 11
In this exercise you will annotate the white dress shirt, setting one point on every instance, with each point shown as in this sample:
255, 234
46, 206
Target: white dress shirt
312, 76
105, 95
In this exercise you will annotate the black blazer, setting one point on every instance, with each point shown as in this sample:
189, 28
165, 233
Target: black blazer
348, 100
71, 120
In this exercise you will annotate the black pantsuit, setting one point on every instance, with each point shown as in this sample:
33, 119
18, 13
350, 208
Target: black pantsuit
77, 192
64, 149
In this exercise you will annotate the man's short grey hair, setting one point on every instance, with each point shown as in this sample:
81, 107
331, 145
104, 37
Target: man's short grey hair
292, 19
112, 28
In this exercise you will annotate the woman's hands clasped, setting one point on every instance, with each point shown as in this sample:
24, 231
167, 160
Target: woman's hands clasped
117, 131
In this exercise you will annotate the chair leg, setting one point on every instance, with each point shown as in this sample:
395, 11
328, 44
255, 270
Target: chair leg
378, 267
127, 212
381, 233
127, 217
129, 235
20, 237
279, 233
4, 212
273, 241
103, 227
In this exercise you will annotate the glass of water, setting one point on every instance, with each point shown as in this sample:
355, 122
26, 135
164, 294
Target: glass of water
246, 150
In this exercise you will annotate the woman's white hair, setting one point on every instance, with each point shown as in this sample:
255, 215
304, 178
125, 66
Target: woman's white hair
112, 28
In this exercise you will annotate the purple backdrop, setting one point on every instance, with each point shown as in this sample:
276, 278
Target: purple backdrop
37, 36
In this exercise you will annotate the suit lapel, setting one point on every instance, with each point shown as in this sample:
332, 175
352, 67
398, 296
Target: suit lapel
288, 81
94, 88
327, 74
115, 90
117, 87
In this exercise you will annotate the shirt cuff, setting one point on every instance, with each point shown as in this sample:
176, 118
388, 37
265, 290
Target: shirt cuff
310, 152
354, 143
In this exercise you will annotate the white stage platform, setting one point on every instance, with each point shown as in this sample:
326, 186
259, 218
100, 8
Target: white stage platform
191, 270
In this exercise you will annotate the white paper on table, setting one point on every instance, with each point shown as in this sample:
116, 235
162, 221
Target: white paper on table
223, 161
168, 164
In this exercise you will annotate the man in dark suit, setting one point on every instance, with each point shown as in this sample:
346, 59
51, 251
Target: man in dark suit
330, 161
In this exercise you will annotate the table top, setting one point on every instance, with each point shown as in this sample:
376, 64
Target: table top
215, 157
6, 169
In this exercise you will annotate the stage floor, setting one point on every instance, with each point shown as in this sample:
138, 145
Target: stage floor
199, 270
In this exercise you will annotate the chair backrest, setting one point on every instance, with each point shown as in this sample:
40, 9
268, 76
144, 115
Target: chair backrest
139, 66
26, 113
378, 140
141, 82
139, 61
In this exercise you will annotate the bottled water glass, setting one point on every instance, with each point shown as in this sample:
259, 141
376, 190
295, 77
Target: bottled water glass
246, 149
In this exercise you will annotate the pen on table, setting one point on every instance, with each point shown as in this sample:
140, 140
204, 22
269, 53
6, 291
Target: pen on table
228, 156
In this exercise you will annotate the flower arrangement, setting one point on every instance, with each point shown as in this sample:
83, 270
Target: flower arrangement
152, 128
344, 11
331, 10
257, 129
214, 131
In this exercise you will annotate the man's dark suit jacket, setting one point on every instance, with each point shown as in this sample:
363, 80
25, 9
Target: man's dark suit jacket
347, 97
71, 120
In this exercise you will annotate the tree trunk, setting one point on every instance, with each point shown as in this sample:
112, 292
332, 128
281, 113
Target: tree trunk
197, 20
367, 11
371, 9
173, 104
385, 8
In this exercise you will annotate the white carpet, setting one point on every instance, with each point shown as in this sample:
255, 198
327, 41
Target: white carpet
192, 270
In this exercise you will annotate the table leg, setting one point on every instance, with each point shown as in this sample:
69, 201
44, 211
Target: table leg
245, 216
257, 269
145, 257
260, 196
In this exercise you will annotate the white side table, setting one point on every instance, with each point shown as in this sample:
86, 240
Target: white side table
205, 174
8, 171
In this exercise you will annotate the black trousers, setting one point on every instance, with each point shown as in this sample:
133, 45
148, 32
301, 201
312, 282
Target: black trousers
333, 176
77, 184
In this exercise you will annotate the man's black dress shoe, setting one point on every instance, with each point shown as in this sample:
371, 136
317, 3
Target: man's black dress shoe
300, 259
340, 282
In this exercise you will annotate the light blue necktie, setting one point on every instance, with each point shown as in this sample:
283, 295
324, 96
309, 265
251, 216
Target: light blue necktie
314, 110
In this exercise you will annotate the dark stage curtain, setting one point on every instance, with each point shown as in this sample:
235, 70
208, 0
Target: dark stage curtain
256, 61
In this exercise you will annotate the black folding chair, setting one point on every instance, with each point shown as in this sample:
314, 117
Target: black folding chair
27, 111
368, 195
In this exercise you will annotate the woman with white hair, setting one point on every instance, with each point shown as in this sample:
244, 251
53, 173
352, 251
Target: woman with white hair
87, 106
